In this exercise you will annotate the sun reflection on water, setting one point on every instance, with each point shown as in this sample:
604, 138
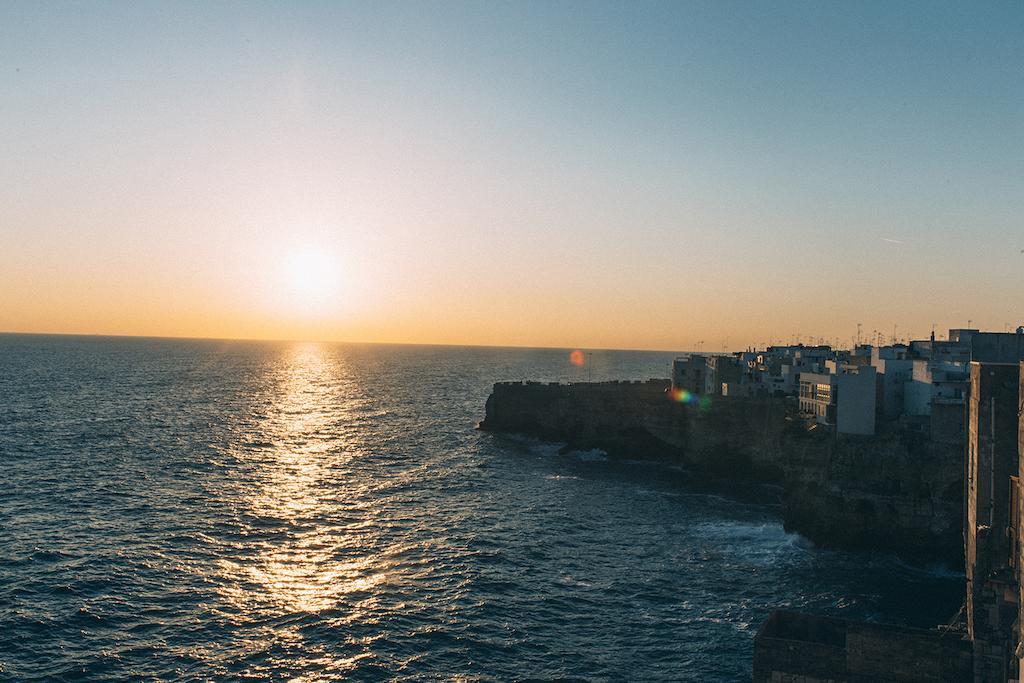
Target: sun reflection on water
313, 548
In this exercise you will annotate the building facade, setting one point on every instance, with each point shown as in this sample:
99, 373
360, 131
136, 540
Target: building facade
992, 466
843, 398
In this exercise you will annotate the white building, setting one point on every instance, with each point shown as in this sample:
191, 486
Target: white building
843, 397
780, 366
895, 368
932, 382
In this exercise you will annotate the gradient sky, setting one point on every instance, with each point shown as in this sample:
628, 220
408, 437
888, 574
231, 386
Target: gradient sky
552, 174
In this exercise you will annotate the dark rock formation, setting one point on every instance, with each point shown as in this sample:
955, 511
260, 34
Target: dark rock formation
877, 492
900, 492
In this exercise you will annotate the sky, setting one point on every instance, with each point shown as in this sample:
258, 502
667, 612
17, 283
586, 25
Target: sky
594, 175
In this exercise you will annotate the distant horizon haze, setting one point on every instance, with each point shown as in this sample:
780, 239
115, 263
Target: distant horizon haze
836, 342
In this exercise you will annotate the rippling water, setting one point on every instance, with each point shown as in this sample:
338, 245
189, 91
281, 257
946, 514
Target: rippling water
181, 510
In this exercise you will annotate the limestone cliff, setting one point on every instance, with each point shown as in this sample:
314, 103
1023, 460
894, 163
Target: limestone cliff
895, 492
900, 492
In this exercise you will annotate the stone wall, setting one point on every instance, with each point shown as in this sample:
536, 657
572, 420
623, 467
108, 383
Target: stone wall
802, 648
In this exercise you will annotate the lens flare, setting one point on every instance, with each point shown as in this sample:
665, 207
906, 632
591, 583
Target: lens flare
703, 403
577, 358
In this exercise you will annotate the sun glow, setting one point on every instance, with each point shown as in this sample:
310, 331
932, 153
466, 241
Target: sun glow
312, 279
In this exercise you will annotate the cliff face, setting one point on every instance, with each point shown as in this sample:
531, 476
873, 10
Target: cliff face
901, 492
891, 492
618, 417
739, 438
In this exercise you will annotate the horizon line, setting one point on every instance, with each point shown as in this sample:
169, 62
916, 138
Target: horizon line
271, 340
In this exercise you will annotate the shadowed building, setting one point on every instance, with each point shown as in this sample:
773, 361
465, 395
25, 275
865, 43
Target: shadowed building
1017, 528
690, 373
895, 368
992, 347
991, 469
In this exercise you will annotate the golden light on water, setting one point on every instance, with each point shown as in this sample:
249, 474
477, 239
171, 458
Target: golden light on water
319, 561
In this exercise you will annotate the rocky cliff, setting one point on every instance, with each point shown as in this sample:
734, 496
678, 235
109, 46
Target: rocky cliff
900, 492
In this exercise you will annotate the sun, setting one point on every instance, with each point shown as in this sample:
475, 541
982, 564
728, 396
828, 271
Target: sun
312, 278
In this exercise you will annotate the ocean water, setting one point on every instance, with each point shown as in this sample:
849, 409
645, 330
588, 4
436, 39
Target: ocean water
205, 510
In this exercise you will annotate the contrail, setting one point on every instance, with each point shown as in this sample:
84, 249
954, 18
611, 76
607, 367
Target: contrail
886, 239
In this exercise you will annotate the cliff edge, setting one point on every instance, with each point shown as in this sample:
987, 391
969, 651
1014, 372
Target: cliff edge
901, 492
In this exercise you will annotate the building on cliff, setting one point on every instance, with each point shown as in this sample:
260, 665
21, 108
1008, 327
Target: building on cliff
992, 347
894, 367
776, 370
919, 386
951, 491
911, 377
690, 373
1017, 526
935, 382
987, 646
843, 397
700, 375
990, 534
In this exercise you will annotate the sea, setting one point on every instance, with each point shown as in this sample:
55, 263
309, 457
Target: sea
190, 510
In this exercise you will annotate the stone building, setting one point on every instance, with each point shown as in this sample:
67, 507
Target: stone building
1017, 527
992, 466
